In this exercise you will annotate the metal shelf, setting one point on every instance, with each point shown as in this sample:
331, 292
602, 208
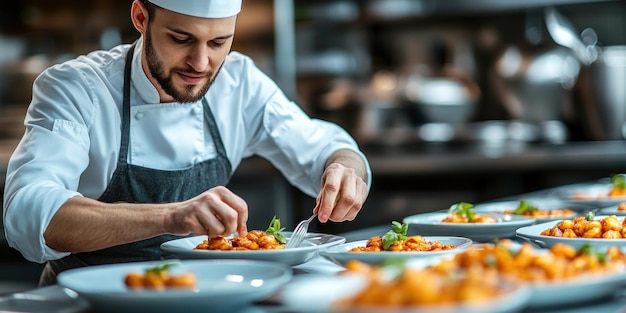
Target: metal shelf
418, 8
380, 11
497, 5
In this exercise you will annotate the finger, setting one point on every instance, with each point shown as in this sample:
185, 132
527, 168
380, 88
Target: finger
345, 200
317, 203
242, 221
212, 225
361, 194
234, 213
328, 196
239, 205
215, 212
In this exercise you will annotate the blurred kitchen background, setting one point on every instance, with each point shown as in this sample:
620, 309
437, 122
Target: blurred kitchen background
451, 100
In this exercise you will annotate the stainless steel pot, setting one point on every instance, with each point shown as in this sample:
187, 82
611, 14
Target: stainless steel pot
601, 83
607, 93
535, 86
442, 98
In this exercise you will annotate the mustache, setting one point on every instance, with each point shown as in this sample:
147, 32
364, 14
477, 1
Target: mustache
191, 71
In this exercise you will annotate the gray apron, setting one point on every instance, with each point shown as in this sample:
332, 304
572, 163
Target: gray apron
136, 184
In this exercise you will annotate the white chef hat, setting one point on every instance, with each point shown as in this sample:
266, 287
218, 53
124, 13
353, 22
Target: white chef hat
202, 8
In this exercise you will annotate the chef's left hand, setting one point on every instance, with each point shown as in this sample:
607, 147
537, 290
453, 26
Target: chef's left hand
342, 194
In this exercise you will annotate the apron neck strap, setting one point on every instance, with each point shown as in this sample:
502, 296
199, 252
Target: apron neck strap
126, 105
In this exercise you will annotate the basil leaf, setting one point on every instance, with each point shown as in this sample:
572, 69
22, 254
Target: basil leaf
405, 229
396, 262
280, 237
523, 207
159, 268
456, 208
589, 250
463, 209
400, 228
585, 249
398, 232
390, 238
471, 215
618, 180
275, 229
393, 267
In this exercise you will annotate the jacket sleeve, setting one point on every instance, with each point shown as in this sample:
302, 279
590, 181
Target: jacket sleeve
296, 144
44, 170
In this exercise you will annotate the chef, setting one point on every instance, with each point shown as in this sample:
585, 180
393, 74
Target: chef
128, 148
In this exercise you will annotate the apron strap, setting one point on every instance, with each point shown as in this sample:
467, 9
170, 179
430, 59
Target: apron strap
215, 132
126, 106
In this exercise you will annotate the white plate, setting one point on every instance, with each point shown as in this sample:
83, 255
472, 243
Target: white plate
341, 253
51, 298
577, 290
611, 210
595, 194
429, 224
573, 291
184, 248
222, 286
533, 235
316, 294
541, 203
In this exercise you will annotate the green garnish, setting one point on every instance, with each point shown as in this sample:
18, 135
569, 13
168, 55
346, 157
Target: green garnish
584, 249
398, 233
619, 181
393, 267
275, 229
589, 250
463, 209
498, 244
396, 262
524, 207
157, 270
590, 216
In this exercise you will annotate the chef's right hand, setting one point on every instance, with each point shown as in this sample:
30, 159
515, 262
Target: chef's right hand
215, 212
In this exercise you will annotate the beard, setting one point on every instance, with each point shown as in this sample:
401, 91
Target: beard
164, 79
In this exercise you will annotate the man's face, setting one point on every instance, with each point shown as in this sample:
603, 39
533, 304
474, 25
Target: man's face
184, 54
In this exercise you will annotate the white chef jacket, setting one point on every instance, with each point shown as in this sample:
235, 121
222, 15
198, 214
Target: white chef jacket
72, 139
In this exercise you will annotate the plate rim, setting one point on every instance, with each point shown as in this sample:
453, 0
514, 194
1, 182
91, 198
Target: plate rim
518, 221
551, 240
139, 296
558, 192
484, 207
466, 243
608, 210
167, 246
183, 249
